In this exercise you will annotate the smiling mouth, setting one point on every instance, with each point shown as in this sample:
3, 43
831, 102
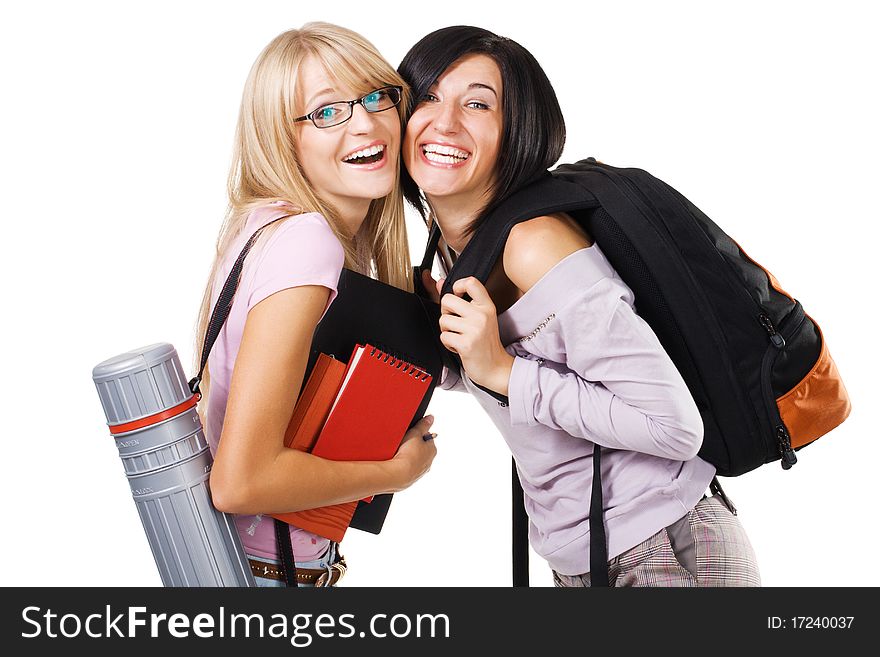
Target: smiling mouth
444, 154
366, 156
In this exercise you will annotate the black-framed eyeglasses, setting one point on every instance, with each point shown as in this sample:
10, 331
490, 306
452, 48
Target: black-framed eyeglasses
333, 114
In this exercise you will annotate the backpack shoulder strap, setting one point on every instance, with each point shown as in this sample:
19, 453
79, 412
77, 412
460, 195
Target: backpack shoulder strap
546, 195
223, 306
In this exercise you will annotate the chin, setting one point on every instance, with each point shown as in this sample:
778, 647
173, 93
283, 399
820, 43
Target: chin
437, 189
371, 188
437, 183
372, 192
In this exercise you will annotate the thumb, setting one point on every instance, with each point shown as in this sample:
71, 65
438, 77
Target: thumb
425, 426
421, 429
429, 284
427, 278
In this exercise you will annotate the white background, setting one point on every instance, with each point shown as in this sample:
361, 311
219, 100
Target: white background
117, 126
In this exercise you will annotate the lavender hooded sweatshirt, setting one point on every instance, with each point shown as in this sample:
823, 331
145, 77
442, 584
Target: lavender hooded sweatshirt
588, 370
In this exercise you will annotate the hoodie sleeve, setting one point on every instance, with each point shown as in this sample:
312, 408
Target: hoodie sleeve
450, 380
615, 385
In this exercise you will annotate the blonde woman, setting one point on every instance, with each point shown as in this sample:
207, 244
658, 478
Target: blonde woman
317, 141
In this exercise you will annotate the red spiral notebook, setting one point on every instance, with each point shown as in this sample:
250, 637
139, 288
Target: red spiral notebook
375, 400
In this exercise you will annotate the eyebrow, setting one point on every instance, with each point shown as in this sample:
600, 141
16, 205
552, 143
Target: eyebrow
328, 90
472, 85
480, 85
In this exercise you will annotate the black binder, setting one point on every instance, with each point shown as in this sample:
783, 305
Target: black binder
400, 323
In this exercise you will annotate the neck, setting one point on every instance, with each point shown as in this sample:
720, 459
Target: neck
454, 216
352, 215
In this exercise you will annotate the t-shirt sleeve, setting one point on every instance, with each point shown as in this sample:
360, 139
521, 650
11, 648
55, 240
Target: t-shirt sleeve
303, 251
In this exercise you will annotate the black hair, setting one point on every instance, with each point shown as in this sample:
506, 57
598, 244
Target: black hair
533, 132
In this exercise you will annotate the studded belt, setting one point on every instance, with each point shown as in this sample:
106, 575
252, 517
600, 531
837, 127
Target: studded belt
317, 576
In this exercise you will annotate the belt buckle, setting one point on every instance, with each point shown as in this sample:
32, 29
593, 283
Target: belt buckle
326, 578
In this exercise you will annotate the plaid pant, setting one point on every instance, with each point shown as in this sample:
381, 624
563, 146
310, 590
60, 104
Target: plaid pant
707, 547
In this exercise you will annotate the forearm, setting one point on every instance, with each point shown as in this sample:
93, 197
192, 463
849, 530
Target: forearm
293, 480
659, 419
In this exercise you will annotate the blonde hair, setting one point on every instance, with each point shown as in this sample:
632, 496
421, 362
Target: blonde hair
265, 167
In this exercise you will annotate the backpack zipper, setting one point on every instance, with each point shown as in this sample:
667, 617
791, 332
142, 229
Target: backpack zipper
777, 340
777, 343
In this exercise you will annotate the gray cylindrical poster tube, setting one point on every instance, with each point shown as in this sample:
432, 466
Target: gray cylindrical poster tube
152, 416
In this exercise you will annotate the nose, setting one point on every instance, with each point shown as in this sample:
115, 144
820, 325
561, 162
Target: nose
446, 120
361, 121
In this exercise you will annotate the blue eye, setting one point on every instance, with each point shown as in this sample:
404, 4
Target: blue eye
378, 100
329, 114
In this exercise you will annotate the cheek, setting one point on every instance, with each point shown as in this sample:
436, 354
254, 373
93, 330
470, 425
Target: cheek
409, 145
408, 137
392, 127
310, 150
492, 147
319, 153
415, 127
407, 153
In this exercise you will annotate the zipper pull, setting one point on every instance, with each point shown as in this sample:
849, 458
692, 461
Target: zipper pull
777, 339
789, 458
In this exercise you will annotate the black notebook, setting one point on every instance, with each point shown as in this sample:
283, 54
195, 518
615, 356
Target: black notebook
403, 324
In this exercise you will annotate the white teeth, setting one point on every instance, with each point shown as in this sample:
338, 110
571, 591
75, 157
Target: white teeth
441, 149
366, 152
442, 159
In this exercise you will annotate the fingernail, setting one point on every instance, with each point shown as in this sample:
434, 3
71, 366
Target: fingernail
430, 419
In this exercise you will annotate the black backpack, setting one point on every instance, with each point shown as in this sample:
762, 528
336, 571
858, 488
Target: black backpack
756, 364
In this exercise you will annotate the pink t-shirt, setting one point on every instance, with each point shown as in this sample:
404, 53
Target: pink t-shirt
301, 251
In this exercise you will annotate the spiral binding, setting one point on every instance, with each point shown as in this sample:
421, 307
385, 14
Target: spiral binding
390, 350
408, 368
